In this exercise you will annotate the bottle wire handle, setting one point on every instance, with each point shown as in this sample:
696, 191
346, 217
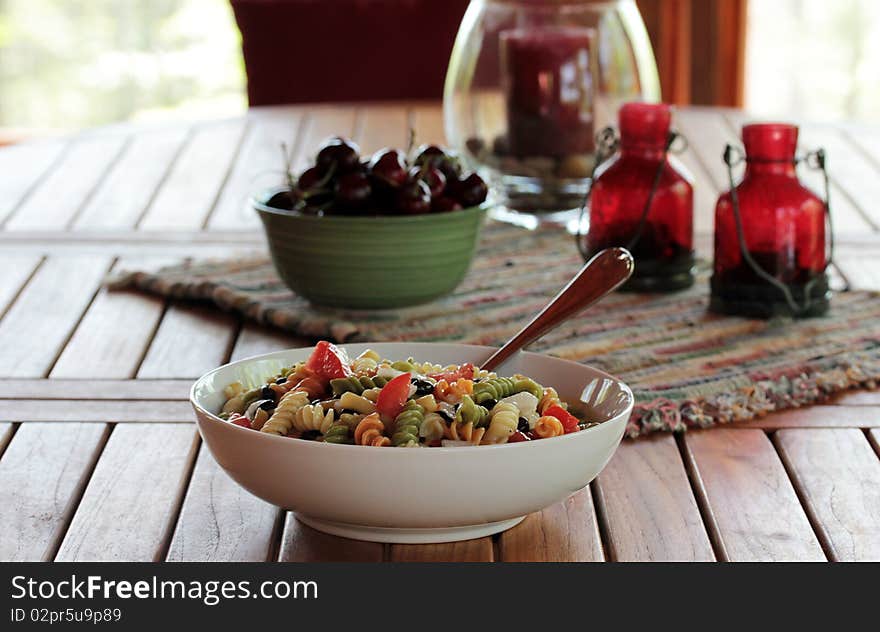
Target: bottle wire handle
816, 159
655, 184
607, 143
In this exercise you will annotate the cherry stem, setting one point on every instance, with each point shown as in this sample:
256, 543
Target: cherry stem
410, 144
286, 158
320, 184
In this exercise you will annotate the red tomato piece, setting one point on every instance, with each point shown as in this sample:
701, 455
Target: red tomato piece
328, 361
466, 371
518, 436
392, 398
239, 420
569, 422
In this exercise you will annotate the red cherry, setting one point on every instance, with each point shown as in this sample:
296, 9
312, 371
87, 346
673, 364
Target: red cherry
434, 156
431, 176
388, 168
338, 153
469, 191
353, 191
414, 198
444, 205
283, 200
309, 179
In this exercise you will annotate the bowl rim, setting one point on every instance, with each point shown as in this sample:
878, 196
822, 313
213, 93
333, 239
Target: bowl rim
213, 418
258, 201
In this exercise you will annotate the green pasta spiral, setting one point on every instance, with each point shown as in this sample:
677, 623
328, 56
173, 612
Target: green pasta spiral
529, 385
495, 388
356, 385
469, 411
407, 425
404, 365
337, 433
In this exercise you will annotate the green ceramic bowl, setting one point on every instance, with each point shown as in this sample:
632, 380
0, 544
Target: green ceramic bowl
370, 262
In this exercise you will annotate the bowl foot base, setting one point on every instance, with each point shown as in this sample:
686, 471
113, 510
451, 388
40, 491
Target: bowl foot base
409, 536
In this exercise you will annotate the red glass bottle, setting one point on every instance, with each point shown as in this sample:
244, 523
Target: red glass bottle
783, 228
660, 240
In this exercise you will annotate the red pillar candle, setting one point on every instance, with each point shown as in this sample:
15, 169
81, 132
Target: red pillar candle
663, 244
784, 228
548, 89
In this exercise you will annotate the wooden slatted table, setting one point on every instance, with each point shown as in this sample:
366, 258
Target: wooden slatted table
100, 460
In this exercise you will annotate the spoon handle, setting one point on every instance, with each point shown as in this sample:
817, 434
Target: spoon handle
601, 275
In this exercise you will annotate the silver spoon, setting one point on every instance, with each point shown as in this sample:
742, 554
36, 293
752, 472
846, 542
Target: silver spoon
600, 276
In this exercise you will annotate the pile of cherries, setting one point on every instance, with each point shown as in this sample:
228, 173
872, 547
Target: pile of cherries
341, 182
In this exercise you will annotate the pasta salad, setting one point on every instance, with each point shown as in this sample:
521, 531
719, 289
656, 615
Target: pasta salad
372, 401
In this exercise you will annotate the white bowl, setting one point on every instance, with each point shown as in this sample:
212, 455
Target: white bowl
417, 495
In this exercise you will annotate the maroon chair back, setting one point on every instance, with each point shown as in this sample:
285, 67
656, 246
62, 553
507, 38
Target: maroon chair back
301, 51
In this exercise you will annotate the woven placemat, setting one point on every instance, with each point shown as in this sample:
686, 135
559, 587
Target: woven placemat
687, 367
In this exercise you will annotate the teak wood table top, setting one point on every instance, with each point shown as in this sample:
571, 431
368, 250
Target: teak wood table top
99, 456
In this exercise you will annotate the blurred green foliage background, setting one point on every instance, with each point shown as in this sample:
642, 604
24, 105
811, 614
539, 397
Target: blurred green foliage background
67, 64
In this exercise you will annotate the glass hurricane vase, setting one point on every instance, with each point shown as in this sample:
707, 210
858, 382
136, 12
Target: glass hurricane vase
529, 84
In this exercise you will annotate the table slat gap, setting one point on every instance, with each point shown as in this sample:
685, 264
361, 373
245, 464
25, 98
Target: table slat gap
12, 285
836, 475
39, 323
230, 168
254, 340
166, 175
609, 551
323, 122
70, 185
40, 494
111, 170
221, 521
297, 145
274, 552
125, 510
857, 177
164, 545
754, 505
858, 143
301, 543
191, 339
258, 156
196, 179
648, 504
7, 431
567, 531
57, 153
874, 439
127, 193
82, 314
76, 498
115, 332
699, 490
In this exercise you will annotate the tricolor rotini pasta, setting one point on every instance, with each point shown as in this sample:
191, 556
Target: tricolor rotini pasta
377, 402
503, 422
